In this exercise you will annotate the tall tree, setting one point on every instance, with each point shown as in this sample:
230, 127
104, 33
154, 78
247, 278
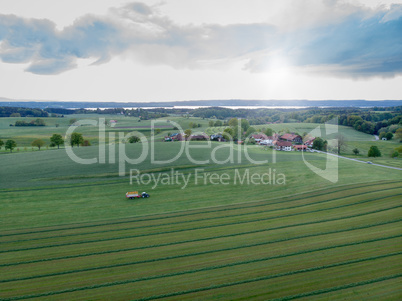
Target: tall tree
1, 143
38, 143
318, 143
244, 124
341, 143
398, 134
374, 151
268, 132
187, 133
389, 136
10, 144
250, 130
233, 122
76, 139
228, 134
57, 139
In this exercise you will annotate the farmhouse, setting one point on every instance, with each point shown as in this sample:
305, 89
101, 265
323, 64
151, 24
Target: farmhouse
217, 137
309, 143
268, 141
259, 137
199, 137
291, 138
283, 145
300, 147
174, 137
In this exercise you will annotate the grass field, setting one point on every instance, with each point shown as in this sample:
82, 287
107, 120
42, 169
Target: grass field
67, 232
319, 243
56, 125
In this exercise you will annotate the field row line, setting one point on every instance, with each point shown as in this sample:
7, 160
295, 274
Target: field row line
197, 228
338, 288
201, 219
122, 282
317, 292
215, 251
281, 200
196, 240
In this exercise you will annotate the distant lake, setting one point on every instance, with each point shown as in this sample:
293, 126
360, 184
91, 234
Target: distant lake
197, 107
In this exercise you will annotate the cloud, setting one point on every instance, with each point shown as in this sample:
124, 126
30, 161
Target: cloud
360, 43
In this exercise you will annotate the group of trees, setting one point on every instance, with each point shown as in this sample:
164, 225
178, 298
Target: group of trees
22, 112
367, 120
56, 140
212, 123
10, 144
320, 144
387, 136
36, 122
194, 125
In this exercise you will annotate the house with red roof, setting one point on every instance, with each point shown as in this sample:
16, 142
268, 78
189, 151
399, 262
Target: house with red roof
259, 137
283, 145
292, 138
309, 142
300, 147
199, 137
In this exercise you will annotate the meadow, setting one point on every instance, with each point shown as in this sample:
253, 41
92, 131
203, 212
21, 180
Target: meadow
57, 125
67, 232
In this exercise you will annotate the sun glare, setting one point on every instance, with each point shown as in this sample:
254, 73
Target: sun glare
279, 67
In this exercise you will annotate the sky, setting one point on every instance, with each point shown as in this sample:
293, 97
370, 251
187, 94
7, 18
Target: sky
175, 50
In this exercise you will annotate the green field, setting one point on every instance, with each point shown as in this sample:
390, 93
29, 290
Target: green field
67, 231
25, 135
318, 244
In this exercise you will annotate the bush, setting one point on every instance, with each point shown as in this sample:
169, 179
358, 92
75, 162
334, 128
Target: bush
251, 141
86, 143
133, 139
395, 154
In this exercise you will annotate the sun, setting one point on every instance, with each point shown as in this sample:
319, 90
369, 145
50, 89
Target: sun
279, 66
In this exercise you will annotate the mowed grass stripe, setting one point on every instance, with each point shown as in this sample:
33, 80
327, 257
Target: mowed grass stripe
317, 292
198, 240
174, 294
215, 251
202, 219
192, 212
338, 288
197, 228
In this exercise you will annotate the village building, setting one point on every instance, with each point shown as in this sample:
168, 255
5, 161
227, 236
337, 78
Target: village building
291, 138
301, 147
199, 137
309, 143
174, 137
259, 137
217, 137
283, 145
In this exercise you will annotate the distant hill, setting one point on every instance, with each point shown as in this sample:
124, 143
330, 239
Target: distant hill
229, 102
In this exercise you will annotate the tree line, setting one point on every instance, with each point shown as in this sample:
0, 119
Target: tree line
76, 139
